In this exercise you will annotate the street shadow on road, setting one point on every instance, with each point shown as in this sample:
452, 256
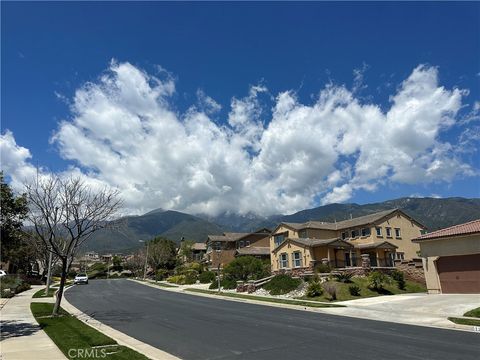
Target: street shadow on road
13, 328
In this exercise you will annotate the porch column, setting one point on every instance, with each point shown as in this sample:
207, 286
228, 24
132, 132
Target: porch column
378, 259
328, 255
350, 256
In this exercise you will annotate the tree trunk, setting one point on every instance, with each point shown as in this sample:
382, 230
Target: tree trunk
56, 308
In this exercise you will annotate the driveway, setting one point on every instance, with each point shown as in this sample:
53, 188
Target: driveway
417, 309
194, 327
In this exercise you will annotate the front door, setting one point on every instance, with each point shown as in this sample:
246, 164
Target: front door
347, 258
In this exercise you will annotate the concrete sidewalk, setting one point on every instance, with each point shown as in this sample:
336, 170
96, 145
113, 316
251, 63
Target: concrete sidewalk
415, 309
21, 336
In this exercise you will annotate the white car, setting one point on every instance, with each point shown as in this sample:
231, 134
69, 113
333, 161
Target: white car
3, 273
81, 279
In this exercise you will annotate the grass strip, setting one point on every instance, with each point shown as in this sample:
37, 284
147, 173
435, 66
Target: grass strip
473, 313
265, 299
462, 321
41, 293
75, 338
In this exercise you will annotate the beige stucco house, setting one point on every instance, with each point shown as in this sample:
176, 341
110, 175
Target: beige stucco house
451, 259
385, 236
222, 249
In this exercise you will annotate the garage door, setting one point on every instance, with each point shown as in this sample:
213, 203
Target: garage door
459, 274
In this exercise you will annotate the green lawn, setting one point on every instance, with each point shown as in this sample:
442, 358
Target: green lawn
41, 293
71, 334
265, 299
473, 313
343, 293
461, 321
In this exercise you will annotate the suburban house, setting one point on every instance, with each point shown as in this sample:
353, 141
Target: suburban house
385, 236
222, 249
451, 259
197, 253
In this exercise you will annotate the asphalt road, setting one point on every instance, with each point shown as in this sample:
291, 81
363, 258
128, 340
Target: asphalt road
193, 327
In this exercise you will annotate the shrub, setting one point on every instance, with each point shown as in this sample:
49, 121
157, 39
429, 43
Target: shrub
344, 277
323, 268
11, 285
245, 268
314, 289
354, 290
399, 277
161, 274
206, 277
331, 290
377, 280
191, 278
177, 279
224, 283
282, 284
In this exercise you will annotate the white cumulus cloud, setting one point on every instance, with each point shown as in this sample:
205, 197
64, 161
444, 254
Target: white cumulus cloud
124, 132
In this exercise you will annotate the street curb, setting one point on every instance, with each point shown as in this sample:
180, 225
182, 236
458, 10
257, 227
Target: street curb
149, 351
326, 310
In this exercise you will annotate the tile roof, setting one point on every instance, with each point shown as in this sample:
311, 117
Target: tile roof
471, 227
358, 221
199, 246
230, 237
254, 250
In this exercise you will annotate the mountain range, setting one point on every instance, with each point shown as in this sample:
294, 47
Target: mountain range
128, 233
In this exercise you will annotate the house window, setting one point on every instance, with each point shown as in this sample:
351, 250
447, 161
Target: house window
366, 232
388, 231
278, 239
241, 244
355, 233
302, 234
397, 233
344, 235
297, 259
400, 256
216, 245
379, 231
283, 261
247, 243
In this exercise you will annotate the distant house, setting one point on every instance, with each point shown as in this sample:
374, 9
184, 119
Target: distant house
385, 236
198, 251
451, 259
222, 249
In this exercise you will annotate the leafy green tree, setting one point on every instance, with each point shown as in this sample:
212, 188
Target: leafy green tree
117, 263
245, 268
162, 253
14, 210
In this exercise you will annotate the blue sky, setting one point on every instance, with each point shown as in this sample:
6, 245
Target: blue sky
242, 56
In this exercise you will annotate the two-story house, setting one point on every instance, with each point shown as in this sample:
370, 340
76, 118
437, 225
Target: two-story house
385, 236
222, 249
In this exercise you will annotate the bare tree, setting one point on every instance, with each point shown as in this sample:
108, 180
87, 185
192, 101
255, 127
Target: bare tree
65, 212
136, 263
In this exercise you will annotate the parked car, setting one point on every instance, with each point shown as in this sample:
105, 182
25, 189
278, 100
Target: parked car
81, 279
3, 273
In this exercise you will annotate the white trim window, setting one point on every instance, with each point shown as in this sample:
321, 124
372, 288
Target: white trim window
344, 235
388, 230
278, 239
297, 259
379, 231
398, 234
355, 233
365, 231
400, 256
283, 261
